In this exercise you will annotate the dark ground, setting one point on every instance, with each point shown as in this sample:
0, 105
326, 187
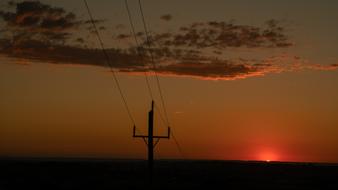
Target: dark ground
168, 174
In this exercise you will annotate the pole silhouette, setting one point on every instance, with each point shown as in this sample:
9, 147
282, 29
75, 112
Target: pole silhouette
149, 139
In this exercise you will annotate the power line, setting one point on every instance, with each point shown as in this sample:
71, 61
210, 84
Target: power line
140, 54
109, 64
146, 76
160, 114
138, 47
179, 147
114, 72
153, 62
157, 78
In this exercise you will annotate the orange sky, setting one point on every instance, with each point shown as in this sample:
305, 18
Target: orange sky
285, 110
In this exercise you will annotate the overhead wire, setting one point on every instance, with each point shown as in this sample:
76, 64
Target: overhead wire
179, 147
140, 54
153, 62
138, 47
108, 61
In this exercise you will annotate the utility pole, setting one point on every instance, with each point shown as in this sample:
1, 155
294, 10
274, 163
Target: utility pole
149, 139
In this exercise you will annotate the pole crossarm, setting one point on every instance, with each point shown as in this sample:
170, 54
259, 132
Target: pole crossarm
154, 136
149, 139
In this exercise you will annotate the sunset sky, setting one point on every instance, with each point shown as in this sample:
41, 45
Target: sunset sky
241, 79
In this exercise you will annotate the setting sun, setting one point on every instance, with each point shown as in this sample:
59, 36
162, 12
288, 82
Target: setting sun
126, 94
268, 156
232, 84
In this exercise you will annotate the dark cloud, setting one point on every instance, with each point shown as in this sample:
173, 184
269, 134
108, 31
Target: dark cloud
62, 54
212, 69
222, 35
179, 62
40, 32
166, 17
321, 67
33, 20
35, 15
95, 21
128, 61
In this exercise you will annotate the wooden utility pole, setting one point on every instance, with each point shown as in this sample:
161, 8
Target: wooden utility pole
149, 139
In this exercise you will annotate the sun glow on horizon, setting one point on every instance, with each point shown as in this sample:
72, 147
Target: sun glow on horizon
268, 156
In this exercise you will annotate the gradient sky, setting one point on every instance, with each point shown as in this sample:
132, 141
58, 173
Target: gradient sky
272, 97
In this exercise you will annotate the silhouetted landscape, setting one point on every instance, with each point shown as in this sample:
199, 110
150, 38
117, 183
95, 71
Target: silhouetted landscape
126, 174
221, 93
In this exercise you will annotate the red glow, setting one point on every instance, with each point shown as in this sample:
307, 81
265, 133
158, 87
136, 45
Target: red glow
268, 156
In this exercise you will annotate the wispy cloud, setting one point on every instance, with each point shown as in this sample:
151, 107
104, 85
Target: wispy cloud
330, 67
222, 35
35, 31
35, 20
